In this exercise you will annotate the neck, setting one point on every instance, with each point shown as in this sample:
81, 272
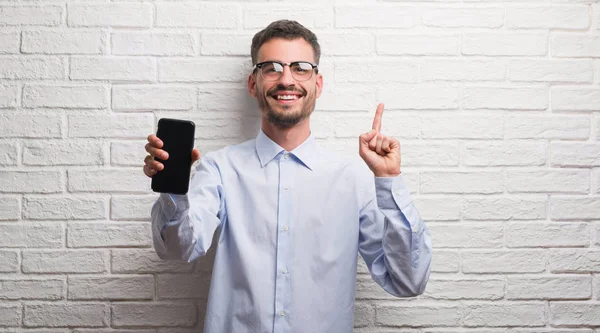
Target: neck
287, 138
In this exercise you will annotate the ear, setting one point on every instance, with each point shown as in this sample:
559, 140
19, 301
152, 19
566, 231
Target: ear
252, 85
319, 83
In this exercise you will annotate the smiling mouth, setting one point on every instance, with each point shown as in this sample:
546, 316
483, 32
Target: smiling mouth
287, 97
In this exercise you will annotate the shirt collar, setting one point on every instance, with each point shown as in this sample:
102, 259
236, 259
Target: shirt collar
268, 149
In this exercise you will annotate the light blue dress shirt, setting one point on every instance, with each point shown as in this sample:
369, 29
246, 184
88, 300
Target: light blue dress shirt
291, 227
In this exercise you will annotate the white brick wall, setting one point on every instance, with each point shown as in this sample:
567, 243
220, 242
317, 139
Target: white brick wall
496, 104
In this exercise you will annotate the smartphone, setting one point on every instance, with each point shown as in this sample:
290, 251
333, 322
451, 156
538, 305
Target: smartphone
178, 140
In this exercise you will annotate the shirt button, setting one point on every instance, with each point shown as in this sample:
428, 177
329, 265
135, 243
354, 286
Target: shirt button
284, 271
281, 313
398, 192
286, 228
286, 156
169, 203
287, 187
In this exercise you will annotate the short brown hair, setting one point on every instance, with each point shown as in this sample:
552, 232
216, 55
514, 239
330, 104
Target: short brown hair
284, 29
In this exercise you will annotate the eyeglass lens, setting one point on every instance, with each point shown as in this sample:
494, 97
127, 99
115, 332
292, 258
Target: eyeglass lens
301, 71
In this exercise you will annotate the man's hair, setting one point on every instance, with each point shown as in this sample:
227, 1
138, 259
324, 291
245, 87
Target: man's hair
284, 29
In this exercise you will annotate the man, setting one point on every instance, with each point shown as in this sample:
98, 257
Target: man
292, 215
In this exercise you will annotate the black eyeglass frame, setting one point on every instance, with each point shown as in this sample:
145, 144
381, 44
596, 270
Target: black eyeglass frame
283, 64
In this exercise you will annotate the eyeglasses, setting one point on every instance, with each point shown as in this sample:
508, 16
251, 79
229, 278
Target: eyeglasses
273, 70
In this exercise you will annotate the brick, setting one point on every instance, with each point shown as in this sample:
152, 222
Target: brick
391, 314
68, 97
596, 128
574, 313
504, 209
109, 234
417, 44
65, 315
10, 313
438, 208
256, 16
154, 314
460, 182
111, 287
551, 330
128, 153
346, 44
547, 234
45, 125
29, 289
575, 99
420, 97
514, 314
596, 16
63, 42
31, 181
139, 261
197, 15
511, 98
363, 314
548, 181
55, 153
227, 99
505, 153
113, 69
366, 288
463, 17
61, 208
346, 97
109, 180
31, 68
153, 97
547, 127
575, 154
10, 208
549, 287
596, 182
463, 127
9, 262
445, 261
569, 45
8, 153
182, 286
430, 154
44, 235
30, 15
382, 16
466, 235
65, 261
131, 207
556, 71
460, 70
574, 261
217, 128
130, 15
9, 96
575, 207
456, 289
548, 17
514, 261
111, 126
203, 70
109, 330
596, 285
153, 44
228, 44
375, 71
505, 44
10, 42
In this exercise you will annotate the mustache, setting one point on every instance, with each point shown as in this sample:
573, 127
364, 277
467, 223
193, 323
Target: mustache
282, 88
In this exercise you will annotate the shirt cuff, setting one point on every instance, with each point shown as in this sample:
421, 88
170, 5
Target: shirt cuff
173, 205
392, 193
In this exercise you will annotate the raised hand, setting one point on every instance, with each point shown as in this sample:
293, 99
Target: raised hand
153, 147
380, 152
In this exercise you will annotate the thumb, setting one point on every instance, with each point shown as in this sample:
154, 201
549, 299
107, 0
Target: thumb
367, 137
195, 155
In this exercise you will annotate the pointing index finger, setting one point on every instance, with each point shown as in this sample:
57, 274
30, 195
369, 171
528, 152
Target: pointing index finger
378, 116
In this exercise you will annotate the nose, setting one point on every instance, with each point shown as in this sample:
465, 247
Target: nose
286, 78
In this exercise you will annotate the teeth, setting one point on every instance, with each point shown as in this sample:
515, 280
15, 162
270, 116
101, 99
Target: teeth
287, 97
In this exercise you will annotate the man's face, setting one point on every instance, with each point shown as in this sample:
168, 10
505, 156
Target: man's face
286, 101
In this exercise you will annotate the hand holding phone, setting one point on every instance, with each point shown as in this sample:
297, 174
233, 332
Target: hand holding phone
171, 155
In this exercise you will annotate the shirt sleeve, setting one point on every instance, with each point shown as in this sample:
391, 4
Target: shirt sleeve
183, 225
393, 239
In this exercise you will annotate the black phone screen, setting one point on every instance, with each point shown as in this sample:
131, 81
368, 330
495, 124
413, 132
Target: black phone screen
178, 140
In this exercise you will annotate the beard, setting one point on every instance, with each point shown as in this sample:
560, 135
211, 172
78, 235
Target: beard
286, 116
